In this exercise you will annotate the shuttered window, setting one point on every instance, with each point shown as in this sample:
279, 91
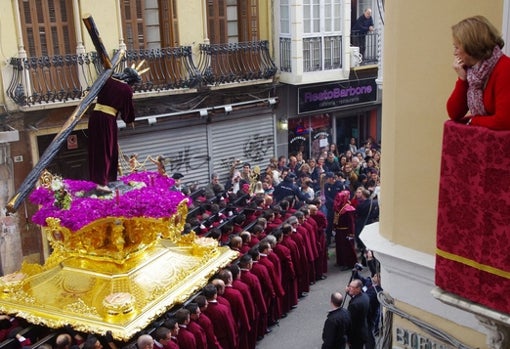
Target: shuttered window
149, 24
48, 27
232, 21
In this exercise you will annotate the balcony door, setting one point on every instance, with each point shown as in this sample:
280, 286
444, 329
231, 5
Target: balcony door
149, 24
152, 25
48, 36
230, 21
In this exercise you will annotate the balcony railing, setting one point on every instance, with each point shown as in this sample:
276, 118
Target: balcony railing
325, 52
170, 69
368, 46
236, 62
43, 80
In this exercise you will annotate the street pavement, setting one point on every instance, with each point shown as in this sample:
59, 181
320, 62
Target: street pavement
302, 328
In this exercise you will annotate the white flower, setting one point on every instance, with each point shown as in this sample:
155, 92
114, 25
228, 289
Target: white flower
57, 184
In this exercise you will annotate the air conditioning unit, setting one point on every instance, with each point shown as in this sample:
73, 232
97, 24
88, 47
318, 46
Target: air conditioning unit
356, 57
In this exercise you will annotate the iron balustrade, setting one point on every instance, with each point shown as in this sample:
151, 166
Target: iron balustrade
369, 46
236, 62
285, 54
66, 78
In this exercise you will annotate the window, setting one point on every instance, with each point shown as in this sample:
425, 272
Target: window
48, 27
149, 24
284, 17
230, 21
49, 40
322, 40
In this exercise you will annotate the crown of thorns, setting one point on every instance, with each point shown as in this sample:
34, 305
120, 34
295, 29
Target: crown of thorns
132, 75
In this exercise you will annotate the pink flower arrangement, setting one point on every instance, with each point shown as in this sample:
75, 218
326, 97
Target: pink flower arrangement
144, 194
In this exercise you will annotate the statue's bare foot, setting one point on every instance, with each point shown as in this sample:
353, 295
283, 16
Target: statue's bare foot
103, 189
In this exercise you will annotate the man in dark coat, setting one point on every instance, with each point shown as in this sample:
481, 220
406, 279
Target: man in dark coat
288, 187
336, 327
361, 27
358, 310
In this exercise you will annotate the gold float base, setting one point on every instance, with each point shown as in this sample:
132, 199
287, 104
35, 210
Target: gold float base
76, 290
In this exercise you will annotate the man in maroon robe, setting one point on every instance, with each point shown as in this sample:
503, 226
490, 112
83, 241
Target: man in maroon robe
194, 327
322, 222
289, 280
294, 252
221, 318
303, 278
246, 265
251, 309
185, 338
206, 323
264, 251
236, 300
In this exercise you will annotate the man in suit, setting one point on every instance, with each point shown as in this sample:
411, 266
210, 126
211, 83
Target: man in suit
336, 327
358, 310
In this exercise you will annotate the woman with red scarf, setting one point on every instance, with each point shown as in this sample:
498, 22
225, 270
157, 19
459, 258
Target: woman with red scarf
483, 84
344, 227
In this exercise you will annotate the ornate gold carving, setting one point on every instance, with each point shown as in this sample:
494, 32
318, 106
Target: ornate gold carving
46, 178
12, 282
114, 239
79, 307
146, 262
119, 303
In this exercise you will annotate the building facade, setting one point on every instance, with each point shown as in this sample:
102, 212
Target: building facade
211, 78
224, 75
329, 93
418, 79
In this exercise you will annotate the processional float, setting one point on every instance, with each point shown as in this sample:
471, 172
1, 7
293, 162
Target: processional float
118, 261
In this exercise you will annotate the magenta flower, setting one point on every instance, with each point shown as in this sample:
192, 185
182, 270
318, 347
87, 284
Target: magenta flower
143, 194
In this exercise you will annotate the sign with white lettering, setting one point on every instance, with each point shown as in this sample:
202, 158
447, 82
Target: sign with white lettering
338, 94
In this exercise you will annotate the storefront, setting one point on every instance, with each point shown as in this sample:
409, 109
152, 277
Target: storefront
193, 145
332, 113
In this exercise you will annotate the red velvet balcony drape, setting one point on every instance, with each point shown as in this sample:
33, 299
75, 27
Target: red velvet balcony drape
473, 229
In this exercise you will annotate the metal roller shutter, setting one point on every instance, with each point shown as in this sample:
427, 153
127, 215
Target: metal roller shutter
249, 139
185, 148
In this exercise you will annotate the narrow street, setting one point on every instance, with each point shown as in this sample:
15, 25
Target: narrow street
302, 328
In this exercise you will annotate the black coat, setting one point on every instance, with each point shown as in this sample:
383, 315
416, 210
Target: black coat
334, 334
358, 309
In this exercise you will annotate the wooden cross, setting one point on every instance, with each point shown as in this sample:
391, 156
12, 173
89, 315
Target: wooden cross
52, 150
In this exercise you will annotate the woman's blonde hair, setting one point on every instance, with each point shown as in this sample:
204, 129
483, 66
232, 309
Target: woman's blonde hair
477, 37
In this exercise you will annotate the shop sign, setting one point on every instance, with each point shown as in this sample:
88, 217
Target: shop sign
408, 339
339, 94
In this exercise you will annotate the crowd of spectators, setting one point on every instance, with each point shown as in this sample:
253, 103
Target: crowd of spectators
281, 222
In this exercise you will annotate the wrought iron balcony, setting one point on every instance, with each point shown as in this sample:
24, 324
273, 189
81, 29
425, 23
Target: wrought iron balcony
368, 46
236, 62
170, 69
321, 53
60, 79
